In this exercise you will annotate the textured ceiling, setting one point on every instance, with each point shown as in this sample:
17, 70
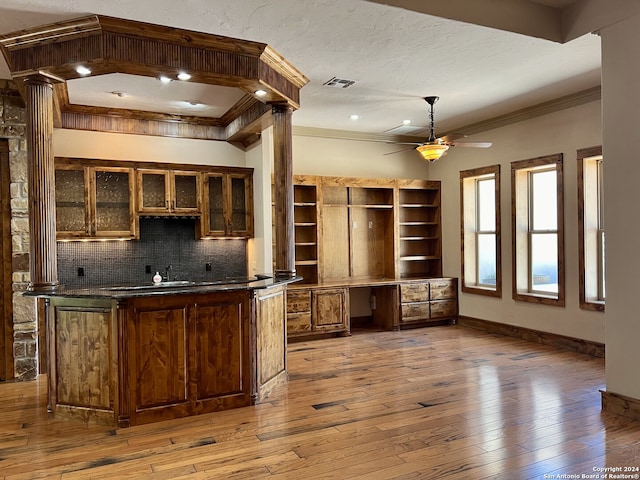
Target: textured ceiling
394, 55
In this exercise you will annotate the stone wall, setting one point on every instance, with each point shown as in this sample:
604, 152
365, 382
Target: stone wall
25, 326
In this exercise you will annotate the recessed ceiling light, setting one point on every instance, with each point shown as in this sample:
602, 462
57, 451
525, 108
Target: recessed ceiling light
354, 117
260, 93
164, 79
406, 122
194, 103
82, 70
183, 76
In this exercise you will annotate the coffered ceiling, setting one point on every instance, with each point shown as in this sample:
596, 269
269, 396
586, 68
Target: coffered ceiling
484, 58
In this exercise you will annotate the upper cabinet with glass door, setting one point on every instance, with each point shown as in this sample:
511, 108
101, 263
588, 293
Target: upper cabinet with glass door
228, 205
167, 192
94, 202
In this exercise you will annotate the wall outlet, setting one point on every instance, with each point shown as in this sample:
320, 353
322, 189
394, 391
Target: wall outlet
207, 267
147, 269
81, 271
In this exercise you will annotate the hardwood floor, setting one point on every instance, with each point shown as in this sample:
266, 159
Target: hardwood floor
434, 403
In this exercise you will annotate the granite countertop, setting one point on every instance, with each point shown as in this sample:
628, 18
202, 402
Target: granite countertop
166, 288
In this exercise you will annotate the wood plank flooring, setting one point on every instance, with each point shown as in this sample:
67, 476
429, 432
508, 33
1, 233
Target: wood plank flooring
433, 403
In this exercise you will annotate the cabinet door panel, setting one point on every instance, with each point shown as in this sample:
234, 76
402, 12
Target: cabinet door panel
83, 358
443, 309
415, 311
160, 357
330, 308
298, 301
442, 289
219, 335
185, 192
414, 292
72, 214
298, 323
335, 235
113, 203
153, 192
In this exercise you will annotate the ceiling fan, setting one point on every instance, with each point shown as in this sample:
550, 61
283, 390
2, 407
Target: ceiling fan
434, 148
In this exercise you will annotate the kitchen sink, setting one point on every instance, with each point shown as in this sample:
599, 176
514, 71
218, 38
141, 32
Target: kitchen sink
179, 283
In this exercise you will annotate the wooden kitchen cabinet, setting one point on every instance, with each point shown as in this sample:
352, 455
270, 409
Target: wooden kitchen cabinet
330, 310
94, 202
428, 301
317, 311
168, 192
187, 355
228, 205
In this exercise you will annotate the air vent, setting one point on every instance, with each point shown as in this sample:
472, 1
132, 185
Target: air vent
339, 82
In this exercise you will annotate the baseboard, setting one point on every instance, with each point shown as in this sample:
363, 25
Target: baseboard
620, 405
559, 341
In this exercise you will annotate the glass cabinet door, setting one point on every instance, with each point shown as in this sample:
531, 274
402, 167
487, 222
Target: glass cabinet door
215, 208
113, 212
153, 192
186, 192
71, 203
239, 221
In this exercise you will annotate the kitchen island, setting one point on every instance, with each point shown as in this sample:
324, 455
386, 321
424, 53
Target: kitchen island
129, 355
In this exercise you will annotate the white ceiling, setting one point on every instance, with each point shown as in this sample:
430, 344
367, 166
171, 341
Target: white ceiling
394, 55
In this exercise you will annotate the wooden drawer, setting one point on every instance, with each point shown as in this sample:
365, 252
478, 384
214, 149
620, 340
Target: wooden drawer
414, 311
298, 323
443, 309
441, 289
298, 301
414, 292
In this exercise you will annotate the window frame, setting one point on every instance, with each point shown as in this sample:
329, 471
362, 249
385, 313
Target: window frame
521, 232
475, 175
595, 254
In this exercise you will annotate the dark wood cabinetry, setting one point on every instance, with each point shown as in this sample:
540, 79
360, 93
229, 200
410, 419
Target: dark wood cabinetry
228, 205
168, 192
427, 301
95, 202
105, 199
187, 355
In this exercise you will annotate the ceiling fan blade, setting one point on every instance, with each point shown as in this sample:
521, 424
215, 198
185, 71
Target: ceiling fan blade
471, 144
403, 150
452, 137
417, 144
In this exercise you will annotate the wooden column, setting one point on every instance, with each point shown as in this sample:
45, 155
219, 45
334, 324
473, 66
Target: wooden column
283, 196
42, 207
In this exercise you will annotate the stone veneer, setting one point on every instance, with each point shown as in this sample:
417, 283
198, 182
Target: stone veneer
25, 328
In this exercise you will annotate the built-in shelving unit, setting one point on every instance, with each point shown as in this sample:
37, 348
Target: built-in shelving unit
419, 232
305, 221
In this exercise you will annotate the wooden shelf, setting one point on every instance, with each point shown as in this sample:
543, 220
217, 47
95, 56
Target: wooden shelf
305, 244
414, 258
371, 206
306, 262
417, 223
418, 205
305, 224
414, 238
304, 204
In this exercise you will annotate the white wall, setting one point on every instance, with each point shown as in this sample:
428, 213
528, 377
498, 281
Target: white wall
560, 132
117, 146
621, 150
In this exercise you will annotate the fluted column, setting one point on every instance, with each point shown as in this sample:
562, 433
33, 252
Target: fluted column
42, 203
283, 197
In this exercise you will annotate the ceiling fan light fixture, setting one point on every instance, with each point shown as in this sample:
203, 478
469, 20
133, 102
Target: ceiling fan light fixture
432, 151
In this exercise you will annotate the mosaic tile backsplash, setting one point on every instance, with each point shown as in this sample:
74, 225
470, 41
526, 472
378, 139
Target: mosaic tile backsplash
163, 242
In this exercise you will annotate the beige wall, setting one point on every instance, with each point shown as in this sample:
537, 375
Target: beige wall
621, 149
560, 132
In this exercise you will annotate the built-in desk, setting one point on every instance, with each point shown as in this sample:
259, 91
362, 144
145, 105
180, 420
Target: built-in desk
319, 309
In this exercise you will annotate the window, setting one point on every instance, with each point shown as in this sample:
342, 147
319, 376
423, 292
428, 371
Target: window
591, 228
538, 233
480, 227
